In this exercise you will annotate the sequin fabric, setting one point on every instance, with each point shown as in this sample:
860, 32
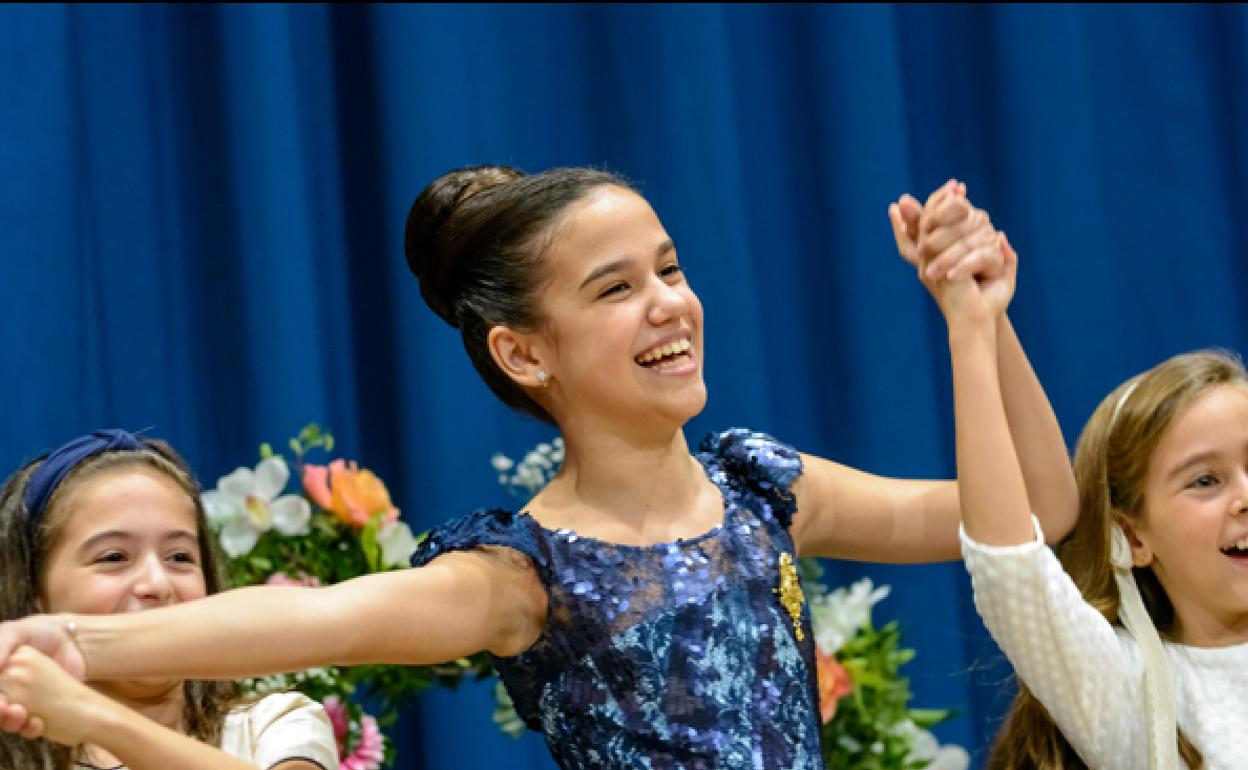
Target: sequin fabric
674, 655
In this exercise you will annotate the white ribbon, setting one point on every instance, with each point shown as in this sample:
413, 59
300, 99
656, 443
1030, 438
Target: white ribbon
1163, 750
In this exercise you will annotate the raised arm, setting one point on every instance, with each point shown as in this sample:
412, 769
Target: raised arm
850, 514
1066, 652
459, 604
930, 243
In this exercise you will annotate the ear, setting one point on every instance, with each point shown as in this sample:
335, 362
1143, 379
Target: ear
518, 354
1141, 551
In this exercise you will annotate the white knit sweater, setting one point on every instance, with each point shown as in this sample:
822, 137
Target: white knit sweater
1089, 674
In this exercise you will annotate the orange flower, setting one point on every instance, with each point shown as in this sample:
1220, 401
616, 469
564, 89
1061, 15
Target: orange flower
834, 684
353, 495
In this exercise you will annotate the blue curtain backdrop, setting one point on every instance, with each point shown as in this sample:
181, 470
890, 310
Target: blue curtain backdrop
201, 212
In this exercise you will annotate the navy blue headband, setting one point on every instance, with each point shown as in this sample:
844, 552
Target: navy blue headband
49, 475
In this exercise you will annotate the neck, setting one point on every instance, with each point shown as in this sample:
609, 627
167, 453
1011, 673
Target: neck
161, 702
628, 487
1213, 632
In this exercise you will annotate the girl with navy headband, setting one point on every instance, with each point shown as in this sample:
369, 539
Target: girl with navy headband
113, 523
643, 609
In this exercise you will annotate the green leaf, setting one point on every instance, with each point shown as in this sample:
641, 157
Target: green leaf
266, 451
368, 542
926, 718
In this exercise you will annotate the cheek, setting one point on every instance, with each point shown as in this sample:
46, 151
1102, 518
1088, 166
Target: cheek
695, 307
89, 594
190, 587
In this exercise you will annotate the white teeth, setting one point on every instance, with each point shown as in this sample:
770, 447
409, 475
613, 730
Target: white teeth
663, 351
1238, 545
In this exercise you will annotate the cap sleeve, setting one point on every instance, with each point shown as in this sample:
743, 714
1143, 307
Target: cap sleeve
766, 466
281, 727
483, 528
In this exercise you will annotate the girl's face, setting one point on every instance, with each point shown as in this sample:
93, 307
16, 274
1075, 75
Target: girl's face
1195, 529
128, 541
624, 330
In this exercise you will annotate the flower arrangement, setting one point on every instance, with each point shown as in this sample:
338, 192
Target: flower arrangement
342, 524
867, 724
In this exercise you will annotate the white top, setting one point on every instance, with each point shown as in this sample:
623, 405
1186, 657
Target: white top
1089, 673
278, 728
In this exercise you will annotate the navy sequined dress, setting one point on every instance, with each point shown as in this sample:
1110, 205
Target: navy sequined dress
673, 655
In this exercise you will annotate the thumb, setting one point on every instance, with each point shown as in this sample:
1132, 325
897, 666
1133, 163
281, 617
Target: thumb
906, 245
1007, 251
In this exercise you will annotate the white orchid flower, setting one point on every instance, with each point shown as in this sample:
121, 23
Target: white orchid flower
246, 504
397, 544
837, 616
925, 748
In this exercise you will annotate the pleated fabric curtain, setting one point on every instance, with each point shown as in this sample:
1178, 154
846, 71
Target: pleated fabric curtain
201, 212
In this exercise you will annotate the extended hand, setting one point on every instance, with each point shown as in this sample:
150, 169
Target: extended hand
950, 241
59, 705
49, 635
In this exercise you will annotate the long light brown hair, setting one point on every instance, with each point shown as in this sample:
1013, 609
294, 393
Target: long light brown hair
23, 555
1111, 469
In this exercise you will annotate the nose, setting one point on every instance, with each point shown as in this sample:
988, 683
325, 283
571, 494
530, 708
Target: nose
668, 303
1239, 497
152, 585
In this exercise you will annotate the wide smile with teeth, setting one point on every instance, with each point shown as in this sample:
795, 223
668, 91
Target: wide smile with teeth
1238, 548
675, 352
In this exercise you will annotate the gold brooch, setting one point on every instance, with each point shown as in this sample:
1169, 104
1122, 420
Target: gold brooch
790, 590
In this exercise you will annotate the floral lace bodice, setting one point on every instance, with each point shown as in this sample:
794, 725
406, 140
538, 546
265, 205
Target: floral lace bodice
673, 655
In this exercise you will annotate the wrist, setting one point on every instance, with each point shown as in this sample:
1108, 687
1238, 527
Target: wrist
973, 333
103, 719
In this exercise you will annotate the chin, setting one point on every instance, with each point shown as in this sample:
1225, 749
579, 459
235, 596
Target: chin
140, 690
682, 410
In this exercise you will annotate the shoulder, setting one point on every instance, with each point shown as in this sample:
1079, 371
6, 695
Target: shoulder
481, 528
496, 530
754, 454
764, 466
281, 727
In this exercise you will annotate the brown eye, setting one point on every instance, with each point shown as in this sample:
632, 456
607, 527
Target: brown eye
1204, 481
614, 288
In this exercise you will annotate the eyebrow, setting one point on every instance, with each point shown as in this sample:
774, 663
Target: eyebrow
620, 264
1187, 464
117, 534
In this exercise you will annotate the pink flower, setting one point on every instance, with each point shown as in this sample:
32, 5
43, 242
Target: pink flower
351, 494
369, 750
302, 579
339, 718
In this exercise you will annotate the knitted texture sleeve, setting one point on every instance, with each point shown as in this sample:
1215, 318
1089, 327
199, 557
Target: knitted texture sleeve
1087, 675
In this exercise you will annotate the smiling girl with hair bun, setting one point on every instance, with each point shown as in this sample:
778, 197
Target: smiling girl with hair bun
643, 609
